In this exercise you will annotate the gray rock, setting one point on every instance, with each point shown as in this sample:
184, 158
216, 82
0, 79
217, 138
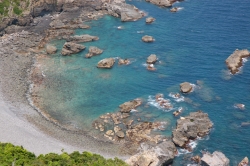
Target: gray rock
51, 49
71, 48
148, 39
128, 106
93, 51
81, 38
106, 63
152, 59
215, 159
244, 162
163, 3
186, 87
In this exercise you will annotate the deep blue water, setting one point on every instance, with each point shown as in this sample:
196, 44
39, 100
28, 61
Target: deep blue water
192, 45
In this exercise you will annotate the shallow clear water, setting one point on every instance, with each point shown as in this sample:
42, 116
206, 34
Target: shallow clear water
191, 45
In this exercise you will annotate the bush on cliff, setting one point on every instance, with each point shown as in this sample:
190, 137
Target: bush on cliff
17, 155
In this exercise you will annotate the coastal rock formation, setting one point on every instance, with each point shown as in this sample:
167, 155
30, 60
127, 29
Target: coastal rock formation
161, 154
71, 48
59, 24
163, 3
186, 87
149, 20
81, 38
174, 9
128, 106
127, 12
51, 49
152, 59
123, 61
234, 61
244, 162
148, 39
106, 63
215, 159
93, 51
190, 127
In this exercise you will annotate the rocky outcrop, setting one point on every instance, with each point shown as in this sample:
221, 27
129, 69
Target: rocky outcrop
123, 61
163, 3
81, 38
128, 106
149, 20
190, 127
244, 162
186, 87
106, 63
174, 9
234, 61
215, 159
127, 12
51, 49
59, 24
152, 59
157, 155
148, 39
71, 48
93, 51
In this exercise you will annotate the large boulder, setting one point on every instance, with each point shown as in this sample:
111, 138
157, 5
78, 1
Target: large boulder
106, 63
244, 162
150, 20
71, 48
190, 127
93, 51
186, 87
148, 39
163, 3
215, 159
152, 59
128, 106
51, 49
81, 38
234, 61
156, 155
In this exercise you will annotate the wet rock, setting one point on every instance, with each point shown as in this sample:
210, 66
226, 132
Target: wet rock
154, 155
123, 62
234, 61
116, 118
239, 106
51, 49
71, 48
81, 38
106, 63
215, 159
117, 128
176, 113
149, 20
174, 9
189, 127
128, 106
151, 67
93, 51
196, 159
120, 134
152, 59
244, 162
186, 87
148, 39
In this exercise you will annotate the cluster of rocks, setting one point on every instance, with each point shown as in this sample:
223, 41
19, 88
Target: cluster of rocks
151, 61
93, 51
234, 61
71, 48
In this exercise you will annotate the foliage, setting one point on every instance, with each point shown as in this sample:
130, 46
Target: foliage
5, 4
19, 156
17, 10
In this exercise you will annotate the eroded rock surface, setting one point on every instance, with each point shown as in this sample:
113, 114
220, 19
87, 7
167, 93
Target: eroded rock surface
71, 48
244, 162
51, 49
148, 39
215, 159
152, 59
186, 87
128, 106
234, 61
106, 63
149, 20
81, 38
93, 51
163, 3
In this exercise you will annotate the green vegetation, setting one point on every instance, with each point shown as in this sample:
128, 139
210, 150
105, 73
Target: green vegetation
5, 4
18, 156
17, 10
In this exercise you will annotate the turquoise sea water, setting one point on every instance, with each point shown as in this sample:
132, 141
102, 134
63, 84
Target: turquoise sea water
191, 45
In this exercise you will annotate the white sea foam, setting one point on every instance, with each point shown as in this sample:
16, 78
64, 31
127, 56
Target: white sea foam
180, 8
177, 98
140, 31
134, 110
161, 103
244, 60
144, 64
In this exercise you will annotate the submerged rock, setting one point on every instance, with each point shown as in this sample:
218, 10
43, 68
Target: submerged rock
93, 51
244, 162
51, 49
81, 38
71, 48
190, 127
152, 59
106, 63
174, 9
234, 61
186, 87
150, 20
148, 39
128, 106
215, 159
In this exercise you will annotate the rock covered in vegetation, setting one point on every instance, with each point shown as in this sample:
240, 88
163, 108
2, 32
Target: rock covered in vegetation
106, 63
128, 106
190, 127
148, 39
186, 87
234, 61
93, 51
51, 49
152, 59
71, 48
215, 159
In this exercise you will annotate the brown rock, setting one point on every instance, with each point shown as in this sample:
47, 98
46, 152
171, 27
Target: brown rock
128, 106
152, 59
106, 63
51, 49
123, 62
71, 48
93, 51
81, 38
186, 87
120, 134
174, 9
244, 162
148, 39
150, 20
196, 159
215, 159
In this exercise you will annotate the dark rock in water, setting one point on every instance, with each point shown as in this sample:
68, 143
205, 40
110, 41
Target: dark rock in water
196, 124
51, 49
128, 106
148, 39
106, 63
71, 48
244, 162
81, 38
152, 59
93, 51
234, 61
215, 159
149, 20
160, 154
186, 87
